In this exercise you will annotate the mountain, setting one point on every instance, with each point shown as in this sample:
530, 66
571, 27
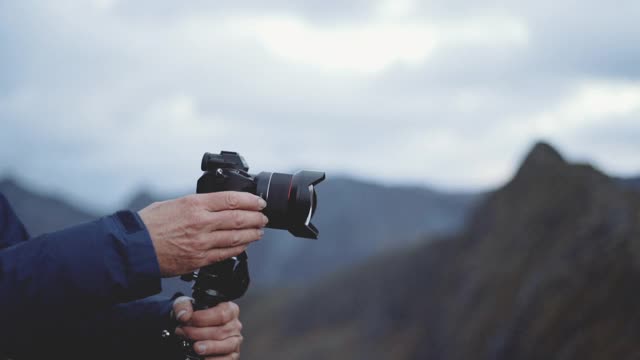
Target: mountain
547, 268
42, 213
631, 183
356, 220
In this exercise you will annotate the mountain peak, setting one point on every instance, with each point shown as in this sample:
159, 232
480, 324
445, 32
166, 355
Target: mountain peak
543, 154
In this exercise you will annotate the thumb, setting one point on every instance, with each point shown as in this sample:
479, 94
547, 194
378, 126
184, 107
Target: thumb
183, 309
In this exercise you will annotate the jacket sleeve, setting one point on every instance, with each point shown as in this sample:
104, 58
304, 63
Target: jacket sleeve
12, 231
77, 271
124, 331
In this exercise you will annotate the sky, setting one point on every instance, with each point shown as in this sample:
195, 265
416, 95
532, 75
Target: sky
100, 99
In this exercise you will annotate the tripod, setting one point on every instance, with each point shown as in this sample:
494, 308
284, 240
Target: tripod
226, 280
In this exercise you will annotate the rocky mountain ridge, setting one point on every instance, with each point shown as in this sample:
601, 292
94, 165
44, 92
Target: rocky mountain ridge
546, 269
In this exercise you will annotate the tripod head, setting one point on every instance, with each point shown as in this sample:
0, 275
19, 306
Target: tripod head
223, 281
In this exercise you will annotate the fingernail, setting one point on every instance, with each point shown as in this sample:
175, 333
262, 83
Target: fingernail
262, 203
181, 313
201, 348
265, 220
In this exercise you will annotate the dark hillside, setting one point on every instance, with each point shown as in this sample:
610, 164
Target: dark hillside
631, 183
546, 269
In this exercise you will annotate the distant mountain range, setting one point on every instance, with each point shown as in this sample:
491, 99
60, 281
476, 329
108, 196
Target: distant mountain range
42, 213
356, 220
632, 183
548, 267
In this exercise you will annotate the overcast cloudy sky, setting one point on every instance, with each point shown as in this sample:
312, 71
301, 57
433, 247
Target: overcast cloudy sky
101, 98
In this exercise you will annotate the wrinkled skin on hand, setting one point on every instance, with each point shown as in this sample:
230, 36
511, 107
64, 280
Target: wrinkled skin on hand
197, 230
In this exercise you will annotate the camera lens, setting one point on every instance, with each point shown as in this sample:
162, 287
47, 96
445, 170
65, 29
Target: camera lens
291, 200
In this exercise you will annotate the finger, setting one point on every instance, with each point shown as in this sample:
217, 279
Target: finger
216, 255
183, 309
235, 220
232, 200
232, 328
218, 315
232, 238
234, 356
218, 347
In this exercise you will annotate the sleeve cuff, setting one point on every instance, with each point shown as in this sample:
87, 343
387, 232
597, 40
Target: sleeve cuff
141, 263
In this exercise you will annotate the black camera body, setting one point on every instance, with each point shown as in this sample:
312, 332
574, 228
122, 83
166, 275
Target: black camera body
291, 202
291, 198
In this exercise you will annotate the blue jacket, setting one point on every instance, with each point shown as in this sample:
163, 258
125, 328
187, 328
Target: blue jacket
83, 289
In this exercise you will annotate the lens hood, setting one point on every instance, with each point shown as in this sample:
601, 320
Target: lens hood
291, 200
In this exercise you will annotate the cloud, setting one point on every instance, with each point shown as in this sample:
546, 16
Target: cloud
373, 47
105, 96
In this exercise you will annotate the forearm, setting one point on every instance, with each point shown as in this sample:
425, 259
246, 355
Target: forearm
94, 265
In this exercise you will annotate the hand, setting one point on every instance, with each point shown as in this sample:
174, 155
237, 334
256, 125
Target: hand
198, 230
216, 331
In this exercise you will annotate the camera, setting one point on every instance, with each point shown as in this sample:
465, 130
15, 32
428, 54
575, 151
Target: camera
291, 203
291, 198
